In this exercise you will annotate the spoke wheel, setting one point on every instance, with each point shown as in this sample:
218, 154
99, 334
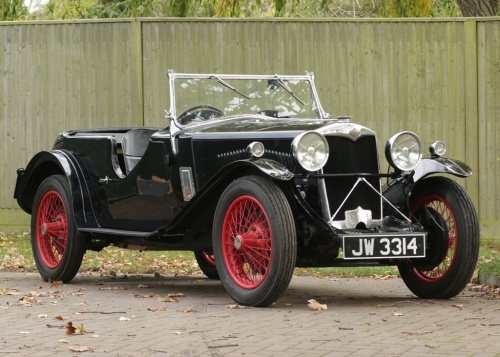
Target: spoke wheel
206, 262
442, 207
51, 229
254, 241
452, 251
247, 242
57, 247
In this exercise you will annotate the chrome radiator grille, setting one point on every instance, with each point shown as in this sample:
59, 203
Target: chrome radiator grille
346, 156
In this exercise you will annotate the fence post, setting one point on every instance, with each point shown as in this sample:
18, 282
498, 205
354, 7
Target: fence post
138, 64
471, 110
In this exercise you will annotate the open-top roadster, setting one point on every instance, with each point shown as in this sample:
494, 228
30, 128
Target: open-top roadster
254, 176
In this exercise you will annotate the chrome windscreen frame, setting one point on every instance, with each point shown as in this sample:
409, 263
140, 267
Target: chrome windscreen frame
171, 114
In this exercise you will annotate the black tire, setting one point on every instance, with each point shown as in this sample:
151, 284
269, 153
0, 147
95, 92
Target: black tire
206, 262
254, 241
57, 247
435, 277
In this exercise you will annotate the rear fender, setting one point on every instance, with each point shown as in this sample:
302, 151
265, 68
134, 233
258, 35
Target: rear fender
89, 197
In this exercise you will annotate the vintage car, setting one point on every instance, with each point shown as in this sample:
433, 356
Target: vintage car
252, 175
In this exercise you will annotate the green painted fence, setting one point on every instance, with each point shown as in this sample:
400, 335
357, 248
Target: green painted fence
437, 77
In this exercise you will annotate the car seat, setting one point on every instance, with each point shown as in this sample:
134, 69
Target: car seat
134, 144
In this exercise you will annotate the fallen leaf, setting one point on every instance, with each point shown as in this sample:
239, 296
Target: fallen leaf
142, 286
59, 318
124, 319
151, 308
236, 306
24, 332
95, 336
80, 348
176, 295
458, 306
43, 316
55, 284
27, 301
69, 328
178, 333
80, 328
395, 313
188, 309
63, 340
316, 306
168, 299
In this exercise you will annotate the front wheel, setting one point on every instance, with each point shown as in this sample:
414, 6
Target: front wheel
447, 213
254, 241
57, 248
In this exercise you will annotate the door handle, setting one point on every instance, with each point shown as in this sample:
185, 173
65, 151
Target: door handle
107, 180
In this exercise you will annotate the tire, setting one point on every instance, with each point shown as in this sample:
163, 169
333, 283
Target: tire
447, 268
206, 262
57, 247
254, 241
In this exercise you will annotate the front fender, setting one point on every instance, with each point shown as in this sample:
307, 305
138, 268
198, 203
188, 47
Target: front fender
454, 167
398, 191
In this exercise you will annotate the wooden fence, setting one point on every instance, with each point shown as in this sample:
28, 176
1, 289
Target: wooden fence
437, 77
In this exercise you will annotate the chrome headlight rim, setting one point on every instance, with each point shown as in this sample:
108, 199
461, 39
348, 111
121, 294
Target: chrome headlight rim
390, 151
298, 148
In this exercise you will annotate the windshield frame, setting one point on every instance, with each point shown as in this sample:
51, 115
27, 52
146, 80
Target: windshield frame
176, 127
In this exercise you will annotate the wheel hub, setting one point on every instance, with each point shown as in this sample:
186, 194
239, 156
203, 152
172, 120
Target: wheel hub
238, 241
43, 228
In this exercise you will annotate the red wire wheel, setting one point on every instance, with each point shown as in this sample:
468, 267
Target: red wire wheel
247, 242
254, 241
442, 207
58, 248
52, 229
447, 214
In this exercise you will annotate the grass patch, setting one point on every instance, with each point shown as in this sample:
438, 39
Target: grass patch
16, 255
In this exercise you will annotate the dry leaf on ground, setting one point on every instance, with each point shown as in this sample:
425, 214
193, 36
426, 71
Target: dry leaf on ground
188, 309
80, 348
69, 328
316, 306
236, 306
124, 319
167, 299
395, 313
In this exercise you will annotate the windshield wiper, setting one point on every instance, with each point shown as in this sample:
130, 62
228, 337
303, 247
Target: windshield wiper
283, 84
228, 86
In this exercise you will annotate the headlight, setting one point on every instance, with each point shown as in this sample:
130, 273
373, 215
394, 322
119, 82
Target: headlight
404, 151
310, 150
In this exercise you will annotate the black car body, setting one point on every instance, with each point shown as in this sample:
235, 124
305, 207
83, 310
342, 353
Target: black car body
254, 177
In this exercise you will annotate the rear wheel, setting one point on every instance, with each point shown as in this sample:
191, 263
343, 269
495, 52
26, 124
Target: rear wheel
254, 241
57, 248
206, 262
446, 211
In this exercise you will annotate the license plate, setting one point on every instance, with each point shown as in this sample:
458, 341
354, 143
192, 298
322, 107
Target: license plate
384, 245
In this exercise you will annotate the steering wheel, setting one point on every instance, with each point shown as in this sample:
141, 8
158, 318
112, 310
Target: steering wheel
199, 113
